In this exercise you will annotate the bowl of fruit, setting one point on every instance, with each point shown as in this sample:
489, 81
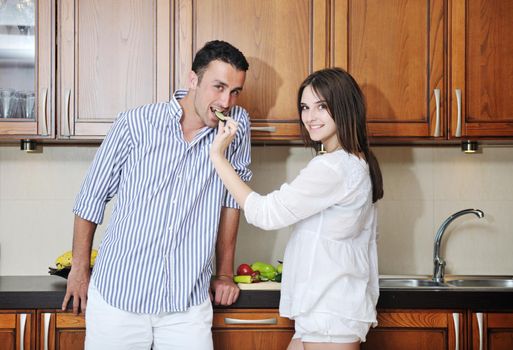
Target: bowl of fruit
64, 261
258, 272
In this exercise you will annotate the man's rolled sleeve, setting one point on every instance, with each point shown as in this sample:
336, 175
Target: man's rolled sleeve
102, 179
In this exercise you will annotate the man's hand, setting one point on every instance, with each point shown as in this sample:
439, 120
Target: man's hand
225, 291
78, 283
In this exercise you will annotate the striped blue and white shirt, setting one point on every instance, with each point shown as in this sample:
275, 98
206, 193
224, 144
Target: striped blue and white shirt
158, 249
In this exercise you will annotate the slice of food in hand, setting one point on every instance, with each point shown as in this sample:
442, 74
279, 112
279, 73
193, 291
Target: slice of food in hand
220, 116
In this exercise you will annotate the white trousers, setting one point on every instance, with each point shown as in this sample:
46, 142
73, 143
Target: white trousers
109, 328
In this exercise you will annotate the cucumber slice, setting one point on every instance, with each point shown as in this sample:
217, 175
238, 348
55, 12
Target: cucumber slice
220, 116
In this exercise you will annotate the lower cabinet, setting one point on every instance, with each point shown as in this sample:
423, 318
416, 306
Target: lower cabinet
264, 329
251, 329
491, 331
17, 330
61, 331
417, 329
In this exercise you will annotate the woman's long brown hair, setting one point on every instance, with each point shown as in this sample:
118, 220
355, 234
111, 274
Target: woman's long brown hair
346, 105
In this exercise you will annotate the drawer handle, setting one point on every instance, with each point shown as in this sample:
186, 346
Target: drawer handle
456, 319
44, 98
458, 106
437, 119
228, 320
479, 317
67, 113
46, 339
263, 128
23, 322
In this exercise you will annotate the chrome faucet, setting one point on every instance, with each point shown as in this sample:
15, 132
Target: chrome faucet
438, 273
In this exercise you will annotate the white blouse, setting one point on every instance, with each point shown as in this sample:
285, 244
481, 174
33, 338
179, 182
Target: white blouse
330, 263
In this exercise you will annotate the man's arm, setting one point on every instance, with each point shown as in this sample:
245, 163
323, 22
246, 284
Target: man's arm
80, 274
225, 290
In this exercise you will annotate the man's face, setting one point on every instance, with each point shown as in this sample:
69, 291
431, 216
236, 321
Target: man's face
218, 90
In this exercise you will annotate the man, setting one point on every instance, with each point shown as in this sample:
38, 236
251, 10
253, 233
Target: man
150, 284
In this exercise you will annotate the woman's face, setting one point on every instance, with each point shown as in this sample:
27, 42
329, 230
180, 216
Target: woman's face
317, 119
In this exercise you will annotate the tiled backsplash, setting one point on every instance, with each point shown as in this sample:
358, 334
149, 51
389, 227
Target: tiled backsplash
423, 185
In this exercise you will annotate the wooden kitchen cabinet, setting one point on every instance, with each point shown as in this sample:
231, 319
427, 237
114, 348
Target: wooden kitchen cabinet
491, 331
29, 67
440, 70
481, 66
113, 56
283, 41
417, 329
61, 331
395, 50
17, 330
251, 329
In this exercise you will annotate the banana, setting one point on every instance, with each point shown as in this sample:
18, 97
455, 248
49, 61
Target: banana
64, 261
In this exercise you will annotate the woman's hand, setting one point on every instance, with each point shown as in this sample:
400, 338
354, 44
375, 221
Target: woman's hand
225, 134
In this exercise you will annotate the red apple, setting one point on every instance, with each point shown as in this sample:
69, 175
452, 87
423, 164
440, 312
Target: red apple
244, 269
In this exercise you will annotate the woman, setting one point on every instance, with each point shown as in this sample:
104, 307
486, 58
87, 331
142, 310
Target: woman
330, 270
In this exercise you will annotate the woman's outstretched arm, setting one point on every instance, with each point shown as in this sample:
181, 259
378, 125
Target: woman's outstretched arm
225, 134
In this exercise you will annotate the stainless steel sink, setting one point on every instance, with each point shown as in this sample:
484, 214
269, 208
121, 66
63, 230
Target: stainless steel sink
416, 283
452, 283
481, 283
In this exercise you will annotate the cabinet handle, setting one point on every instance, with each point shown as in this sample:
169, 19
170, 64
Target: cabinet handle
23, 321
479, 316
458, 105
66, 112
263, 128
437, 119
45, 116
47, 317
228, 320
456, 319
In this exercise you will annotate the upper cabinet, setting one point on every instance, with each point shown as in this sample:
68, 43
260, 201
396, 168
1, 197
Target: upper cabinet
113, 55
481, 63
395, 50
27, 59
283, 41
431, 70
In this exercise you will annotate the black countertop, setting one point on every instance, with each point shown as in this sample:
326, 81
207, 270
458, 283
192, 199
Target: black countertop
47, 292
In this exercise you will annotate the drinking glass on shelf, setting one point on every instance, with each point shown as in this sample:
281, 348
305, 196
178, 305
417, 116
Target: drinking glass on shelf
6, 97
17, 105
30, 99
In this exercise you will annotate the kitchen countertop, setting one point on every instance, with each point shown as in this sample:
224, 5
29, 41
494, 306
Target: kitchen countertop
47, 292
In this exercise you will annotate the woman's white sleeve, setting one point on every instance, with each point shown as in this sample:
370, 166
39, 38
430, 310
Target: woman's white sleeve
317, 187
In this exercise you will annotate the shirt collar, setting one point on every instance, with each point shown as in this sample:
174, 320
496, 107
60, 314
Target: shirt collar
174, 107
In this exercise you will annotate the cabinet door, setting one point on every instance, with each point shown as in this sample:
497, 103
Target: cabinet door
113, 55
251, 330
492, 331
16, 330
395, 50
283, 42
481, 48
61, 331
26, 69
420, 330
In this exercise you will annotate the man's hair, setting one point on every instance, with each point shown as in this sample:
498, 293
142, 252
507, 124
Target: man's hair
218, 50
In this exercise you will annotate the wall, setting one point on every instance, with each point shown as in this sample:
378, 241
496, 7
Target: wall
423, 185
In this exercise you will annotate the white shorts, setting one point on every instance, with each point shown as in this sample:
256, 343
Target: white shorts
318, 327
110, 328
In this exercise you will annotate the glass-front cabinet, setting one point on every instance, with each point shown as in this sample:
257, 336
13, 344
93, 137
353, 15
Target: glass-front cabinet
26, 68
